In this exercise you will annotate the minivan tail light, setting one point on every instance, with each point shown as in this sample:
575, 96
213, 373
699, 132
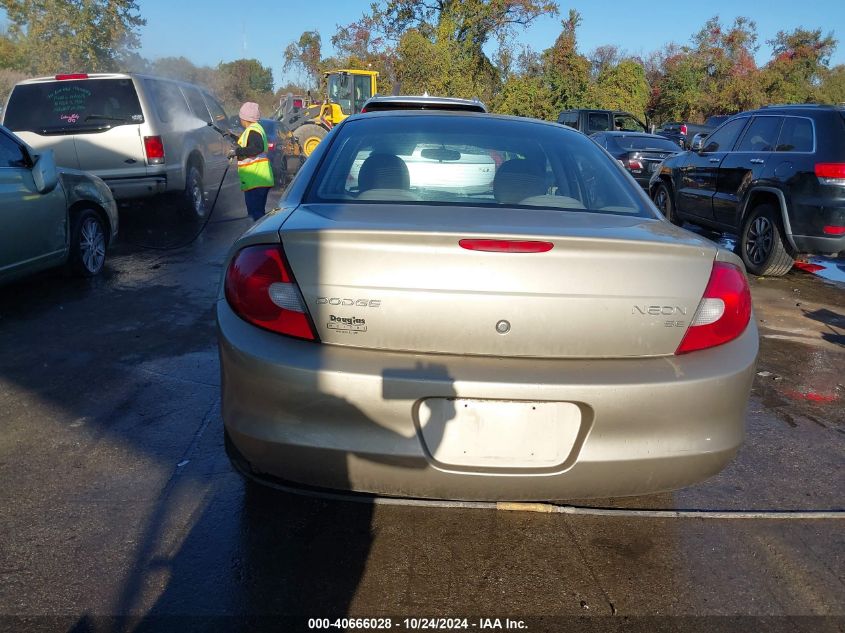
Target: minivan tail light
72, 76
724, 310
831, 173
684, 130
261, 289
154, 149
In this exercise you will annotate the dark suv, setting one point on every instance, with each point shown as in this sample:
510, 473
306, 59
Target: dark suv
775, 176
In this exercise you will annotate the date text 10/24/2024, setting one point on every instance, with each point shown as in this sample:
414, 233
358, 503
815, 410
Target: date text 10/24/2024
417, 624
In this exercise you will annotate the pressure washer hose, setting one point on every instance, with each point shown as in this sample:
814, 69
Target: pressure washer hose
194, 237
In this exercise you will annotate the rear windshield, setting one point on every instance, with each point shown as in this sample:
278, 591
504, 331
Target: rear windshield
474, 161
630, 143
73, 106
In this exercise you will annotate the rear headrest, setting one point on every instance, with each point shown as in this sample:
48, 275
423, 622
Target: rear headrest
383, 171
518, 179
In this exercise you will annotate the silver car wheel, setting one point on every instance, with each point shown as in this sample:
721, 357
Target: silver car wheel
92, 245
758, 245
194, 203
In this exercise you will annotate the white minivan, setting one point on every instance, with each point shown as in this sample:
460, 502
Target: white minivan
142, 135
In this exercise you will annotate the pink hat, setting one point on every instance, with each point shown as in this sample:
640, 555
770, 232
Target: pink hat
250, 111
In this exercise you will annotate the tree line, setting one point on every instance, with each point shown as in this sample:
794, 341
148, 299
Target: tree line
471, 48
462, 48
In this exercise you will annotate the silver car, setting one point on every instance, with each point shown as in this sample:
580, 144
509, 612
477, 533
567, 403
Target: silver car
50, 217
548, 337
142, 135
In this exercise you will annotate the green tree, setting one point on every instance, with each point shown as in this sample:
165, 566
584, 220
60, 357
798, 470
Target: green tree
474, 21
621, 87
832, 87
800, 58
306, 54
245, 80
567, 72
526, 95
10, 53
439, 44
443, 66
681, 89
731, 80
56, 36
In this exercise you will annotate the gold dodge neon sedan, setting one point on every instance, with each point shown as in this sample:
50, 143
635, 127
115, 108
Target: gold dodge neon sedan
542, 334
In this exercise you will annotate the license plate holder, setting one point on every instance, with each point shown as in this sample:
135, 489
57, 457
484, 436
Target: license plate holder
491, 434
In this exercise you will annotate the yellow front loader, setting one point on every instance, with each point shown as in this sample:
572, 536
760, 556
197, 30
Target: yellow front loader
346, 92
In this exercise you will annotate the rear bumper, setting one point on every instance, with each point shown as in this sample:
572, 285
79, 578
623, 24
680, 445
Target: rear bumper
129, 188
349, 419
643, 181
813, 244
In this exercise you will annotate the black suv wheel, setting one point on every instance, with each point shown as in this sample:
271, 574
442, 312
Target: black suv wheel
761, 244
663, 201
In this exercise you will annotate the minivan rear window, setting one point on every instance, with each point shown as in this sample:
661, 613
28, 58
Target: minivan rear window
73, 106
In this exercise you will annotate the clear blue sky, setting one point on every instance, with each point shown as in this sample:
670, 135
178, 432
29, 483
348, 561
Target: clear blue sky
211, 31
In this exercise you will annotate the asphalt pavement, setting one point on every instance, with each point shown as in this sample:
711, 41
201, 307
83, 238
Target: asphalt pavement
119, 510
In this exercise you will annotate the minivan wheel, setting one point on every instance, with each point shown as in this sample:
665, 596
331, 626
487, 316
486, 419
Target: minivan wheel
761, 244
663, 201
88, 240
195, 204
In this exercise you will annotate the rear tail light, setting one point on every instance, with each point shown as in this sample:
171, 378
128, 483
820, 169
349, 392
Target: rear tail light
154, 149
71, 76
724, 311
831, 173
261, 289
271, 147
684, 130
834, 230
634, 164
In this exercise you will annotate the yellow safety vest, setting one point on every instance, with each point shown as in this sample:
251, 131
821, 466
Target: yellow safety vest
255, 171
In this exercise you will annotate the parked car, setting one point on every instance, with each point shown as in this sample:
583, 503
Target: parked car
775, 176
640, 154
591, 121
379, 103
50, 217
437, 169
275, 143
549, 337
682, 133
142, 135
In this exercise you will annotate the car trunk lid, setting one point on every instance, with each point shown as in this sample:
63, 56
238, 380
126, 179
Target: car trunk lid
611, 286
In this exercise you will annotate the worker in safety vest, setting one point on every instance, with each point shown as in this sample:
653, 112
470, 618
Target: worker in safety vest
254, 169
